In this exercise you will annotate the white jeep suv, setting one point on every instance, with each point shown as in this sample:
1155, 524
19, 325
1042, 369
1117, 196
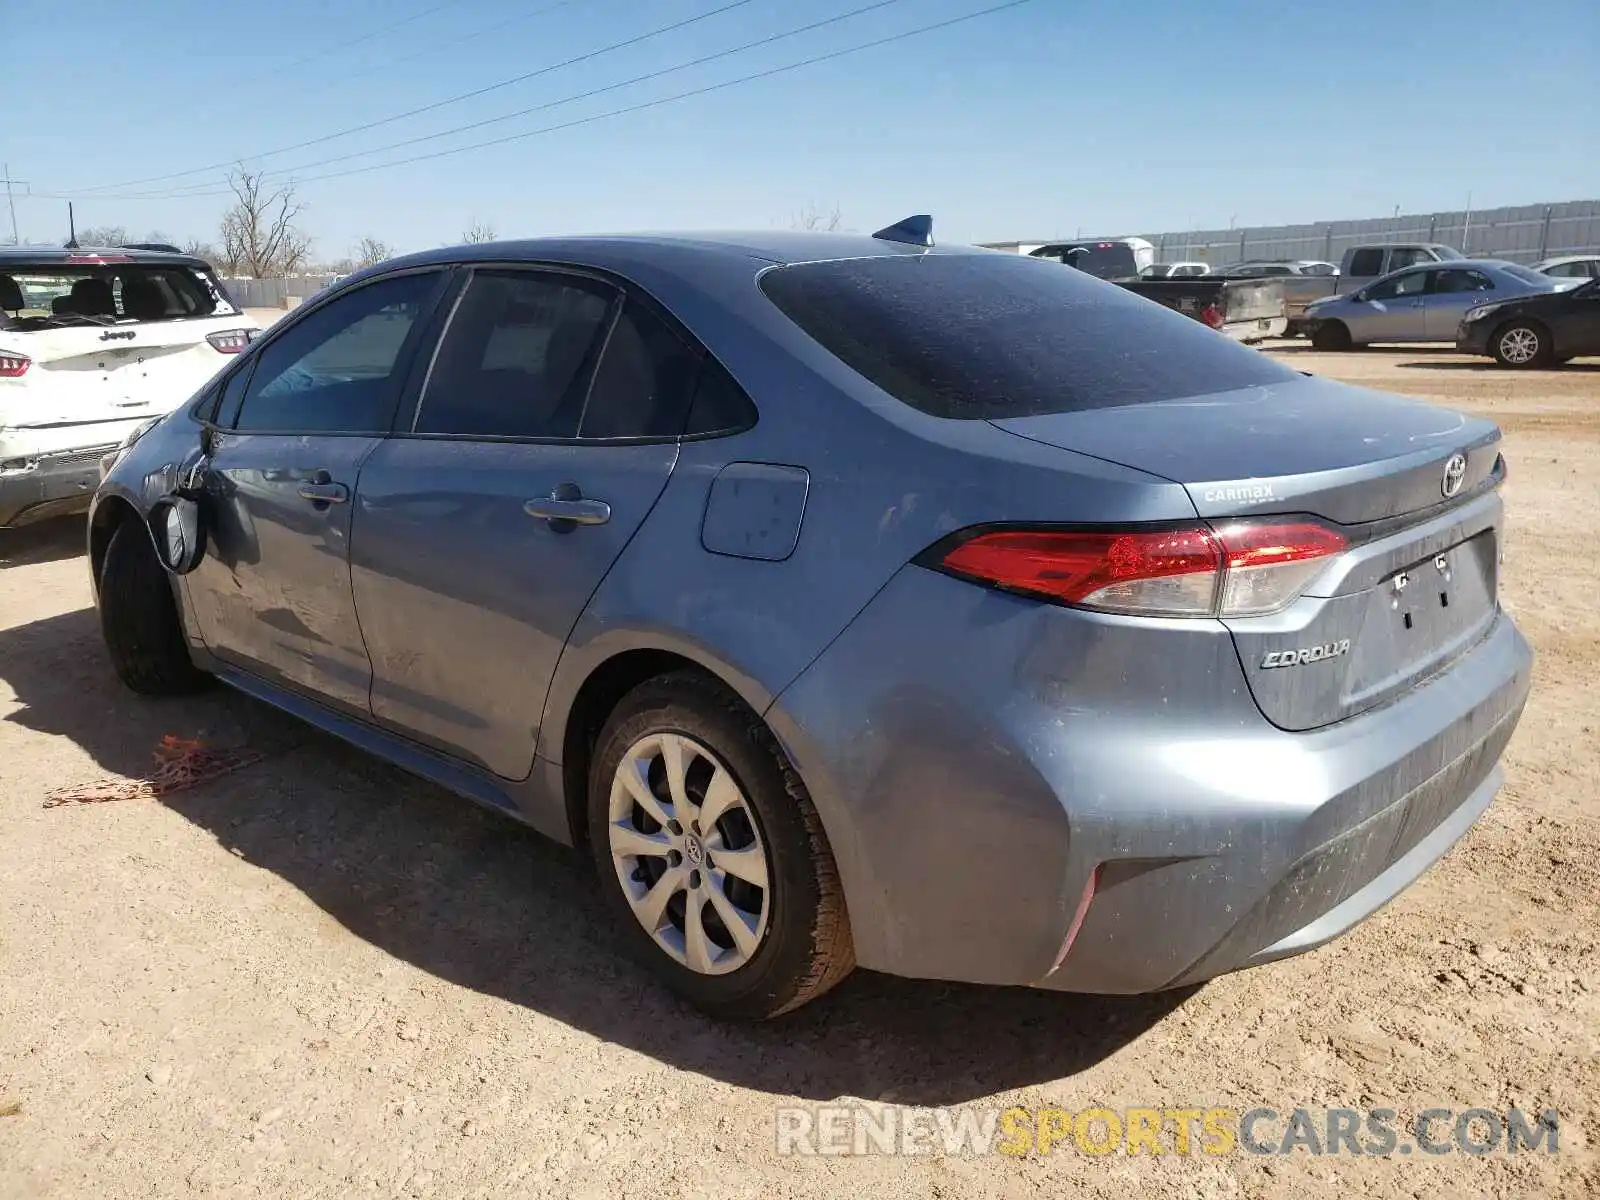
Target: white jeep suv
94, 344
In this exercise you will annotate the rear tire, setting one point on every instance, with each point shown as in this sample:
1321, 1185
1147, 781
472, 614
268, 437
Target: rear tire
1332, 336
1522, 346
796, 941
139, 619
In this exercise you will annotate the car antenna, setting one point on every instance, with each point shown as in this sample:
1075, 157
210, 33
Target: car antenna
72, 229
913, 231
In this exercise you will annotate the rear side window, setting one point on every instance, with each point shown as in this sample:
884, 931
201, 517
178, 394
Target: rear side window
644, 383
518, 356
1406, 257
986, 337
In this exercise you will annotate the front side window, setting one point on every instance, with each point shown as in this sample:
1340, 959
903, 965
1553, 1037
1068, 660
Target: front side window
340, 369
1571, 270
518, 357
1364, 263
1413, 284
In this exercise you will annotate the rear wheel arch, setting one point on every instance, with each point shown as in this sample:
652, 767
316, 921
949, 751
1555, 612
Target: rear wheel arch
591, 708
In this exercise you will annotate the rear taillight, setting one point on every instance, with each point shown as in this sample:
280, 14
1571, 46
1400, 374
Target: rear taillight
1243, 568
13, 366
230, 341
1212, 316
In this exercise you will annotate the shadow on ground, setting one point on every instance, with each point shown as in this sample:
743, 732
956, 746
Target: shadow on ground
1487, 365
48, 541
475, 899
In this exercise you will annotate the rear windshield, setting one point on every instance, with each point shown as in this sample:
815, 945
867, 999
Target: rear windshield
49, 295
1526, 274
990, 336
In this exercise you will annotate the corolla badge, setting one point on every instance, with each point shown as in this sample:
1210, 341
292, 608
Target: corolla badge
1308, 654
1455, 474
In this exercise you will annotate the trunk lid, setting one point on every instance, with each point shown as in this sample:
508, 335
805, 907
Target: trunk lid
1417, 586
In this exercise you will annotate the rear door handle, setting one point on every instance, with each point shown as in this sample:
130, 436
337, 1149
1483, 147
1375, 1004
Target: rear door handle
321, 489
566, 508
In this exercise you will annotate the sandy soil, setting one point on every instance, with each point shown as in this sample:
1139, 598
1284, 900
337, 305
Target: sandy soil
320, 977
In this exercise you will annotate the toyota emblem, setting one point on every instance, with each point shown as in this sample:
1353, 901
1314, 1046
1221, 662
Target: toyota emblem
1455, 474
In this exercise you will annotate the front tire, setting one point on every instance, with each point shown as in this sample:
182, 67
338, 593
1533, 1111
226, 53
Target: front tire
1522, 345
711, 855
139, 619
1331, 335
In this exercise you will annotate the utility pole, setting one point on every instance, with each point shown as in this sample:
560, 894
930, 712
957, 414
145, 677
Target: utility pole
11, 200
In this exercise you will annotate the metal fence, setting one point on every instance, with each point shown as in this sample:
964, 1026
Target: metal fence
275, 293
1525, 234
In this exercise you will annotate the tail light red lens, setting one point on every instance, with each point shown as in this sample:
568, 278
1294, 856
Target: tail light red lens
230, 341
13, 366
1212, 316
1241, 569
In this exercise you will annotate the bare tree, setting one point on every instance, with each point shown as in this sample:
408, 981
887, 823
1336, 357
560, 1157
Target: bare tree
370, 251
202, 250
479, 231
259, 235
103, 235
815, 217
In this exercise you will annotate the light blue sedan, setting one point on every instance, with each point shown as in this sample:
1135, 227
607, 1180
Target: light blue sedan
1423, 303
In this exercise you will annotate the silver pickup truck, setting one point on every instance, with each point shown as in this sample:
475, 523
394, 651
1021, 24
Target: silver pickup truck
1359, 267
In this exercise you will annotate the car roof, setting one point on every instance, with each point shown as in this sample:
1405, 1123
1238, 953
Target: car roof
1565, 258
783, 247
87, 256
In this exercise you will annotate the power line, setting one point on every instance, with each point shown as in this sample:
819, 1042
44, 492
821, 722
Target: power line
701, 91
592, 92
632, 108
355, 41
426, 108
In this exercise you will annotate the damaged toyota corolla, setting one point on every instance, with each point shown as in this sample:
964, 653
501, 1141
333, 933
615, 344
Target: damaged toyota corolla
849, 600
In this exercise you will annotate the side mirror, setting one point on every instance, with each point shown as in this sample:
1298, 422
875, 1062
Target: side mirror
178, 532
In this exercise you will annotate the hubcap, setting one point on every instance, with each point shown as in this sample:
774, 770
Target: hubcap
688, 853
1519, 345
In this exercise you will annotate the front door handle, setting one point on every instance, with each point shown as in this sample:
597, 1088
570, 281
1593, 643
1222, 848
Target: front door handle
320, 489
566, 508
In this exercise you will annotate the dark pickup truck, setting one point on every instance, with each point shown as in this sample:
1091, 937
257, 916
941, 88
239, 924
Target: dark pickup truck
1247, 310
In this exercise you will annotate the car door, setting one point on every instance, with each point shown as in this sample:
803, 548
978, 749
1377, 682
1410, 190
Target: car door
272, 594
1575, 321
543, 436
1391, 310
1450, 292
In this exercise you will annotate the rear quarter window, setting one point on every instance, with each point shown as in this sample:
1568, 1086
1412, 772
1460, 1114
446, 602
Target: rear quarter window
988, 337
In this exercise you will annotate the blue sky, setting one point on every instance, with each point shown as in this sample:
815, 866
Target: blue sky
1048, 118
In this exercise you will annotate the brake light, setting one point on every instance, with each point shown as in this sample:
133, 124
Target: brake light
1243, 568
1212, 316
230, 341
13, 366
98, 259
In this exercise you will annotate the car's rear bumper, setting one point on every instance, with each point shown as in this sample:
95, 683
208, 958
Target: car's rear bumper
978, 760
49, 485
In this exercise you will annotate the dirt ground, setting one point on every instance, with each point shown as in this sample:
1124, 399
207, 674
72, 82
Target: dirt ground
320, 977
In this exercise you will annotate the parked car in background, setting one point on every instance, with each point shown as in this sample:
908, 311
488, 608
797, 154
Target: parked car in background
92, 343
1129, 697
1269, 269
1571, 266
1418, 304
1539, 330
1104, 258
1358, 266
1178, 270
1247, 310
